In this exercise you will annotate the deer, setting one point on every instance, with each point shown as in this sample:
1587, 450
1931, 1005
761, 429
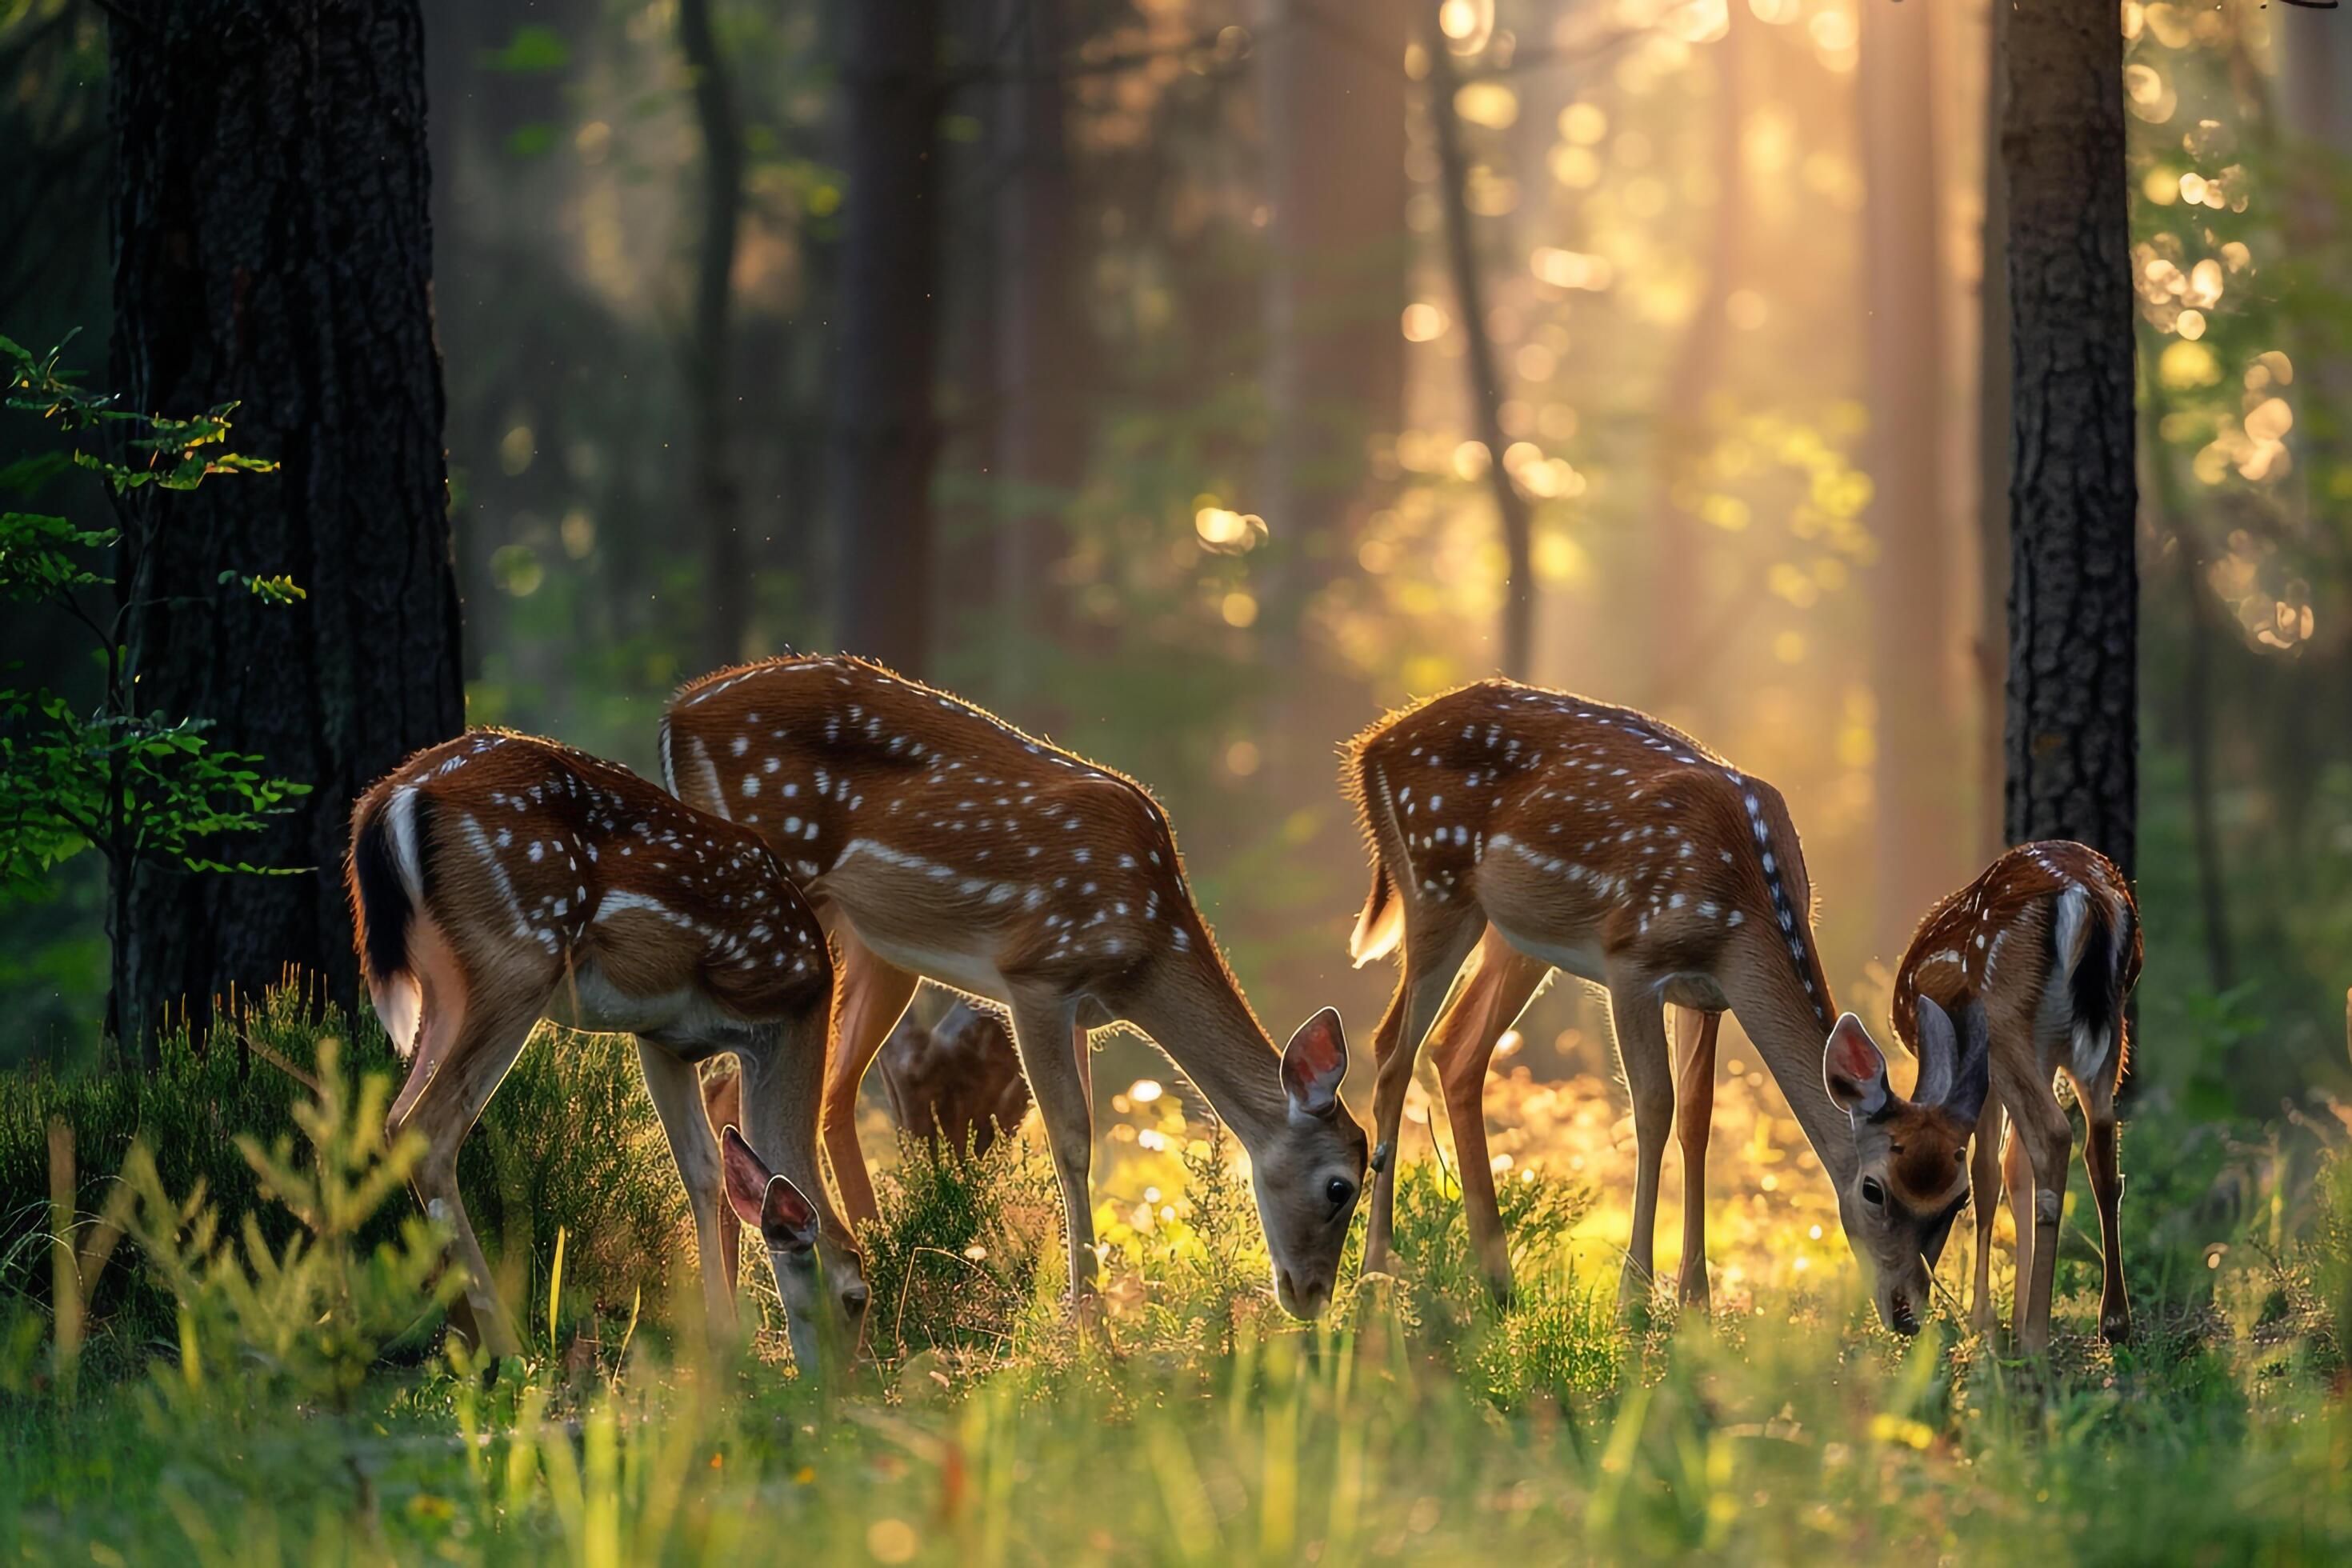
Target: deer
2037, 956
956, 1085
497, 880
938, 841
1514, 831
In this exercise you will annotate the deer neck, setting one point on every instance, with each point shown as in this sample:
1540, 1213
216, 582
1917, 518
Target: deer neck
1193, 1011
1789, 1028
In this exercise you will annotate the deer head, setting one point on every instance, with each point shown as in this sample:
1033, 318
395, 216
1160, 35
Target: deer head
1911, 1175
824, 1333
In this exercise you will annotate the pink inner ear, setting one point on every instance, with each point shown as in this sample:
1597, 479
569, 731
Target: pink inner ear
747, 1176
1852, 1054
1318, 1049
785, 1207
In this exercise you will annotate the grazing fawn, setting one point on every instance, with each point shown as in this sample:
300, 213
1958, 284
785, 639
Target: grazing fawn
1527, 830
957, 1085
497, 880
937, 840
2037, 955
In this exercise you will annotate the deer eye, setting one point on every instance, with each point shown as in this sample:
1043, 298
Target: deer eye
1872, 1194
1341, 1192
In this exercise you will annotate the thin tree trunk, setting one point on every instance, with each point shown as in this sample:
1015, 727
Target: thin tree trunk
2073, 733
1334, 102
885, 434
1040, 446
1515, 649
717, 494
1680, 660
273, 246
1993, 389
1904, 277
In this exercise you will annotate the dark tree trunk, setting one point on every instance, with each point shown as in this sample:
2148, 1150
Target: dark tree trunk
885, 435
1904, 277
273, 246
2073, 614
1515, 648
1039, 342
717, 495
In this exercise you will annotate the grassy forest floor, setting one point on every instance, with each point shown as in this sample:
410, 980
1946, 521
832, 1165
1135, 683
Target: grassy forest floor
273, 1392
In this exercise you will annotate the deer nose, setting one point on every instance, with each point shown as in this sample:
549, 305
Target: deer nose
1900, 1317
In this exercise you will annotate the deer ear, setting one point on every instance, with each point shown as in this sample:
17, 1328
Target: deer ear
1939, 1053
787, 1219
1972, 1077
1313, 1063
747, 1176
1854, 1070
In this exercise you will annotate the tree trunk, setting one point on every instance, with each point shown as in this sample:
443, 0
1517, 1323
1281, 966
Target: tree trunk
885, 436
273, 246
1903, 276
1040, 338
1991, 641
1697, 634
2073, 735
1333, 97
1516, 647
717, 495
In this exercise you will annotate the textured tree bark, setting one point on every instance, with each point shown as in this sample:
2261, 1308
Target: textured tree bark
718, 493
885, 435
1904, 279
1515, 647
2072, 730
273, 246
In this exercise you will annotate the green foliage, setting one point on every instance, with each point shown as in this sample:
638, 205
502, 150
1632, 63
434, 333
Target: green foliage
569, 1143
138, 786
307, 1318
951, 1268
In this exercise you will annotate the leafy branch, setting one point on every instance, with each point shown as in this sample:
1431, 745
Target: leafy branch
137, 787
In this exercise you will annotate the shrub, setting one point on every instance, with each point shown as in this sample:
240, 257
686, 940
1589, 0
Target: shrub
570, 1140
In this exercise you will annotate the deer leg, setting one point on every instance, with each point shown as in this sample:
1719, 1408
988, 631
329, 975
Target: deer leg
462, 1054
1044, 1026
2099, 1158
1496, 989
723, 1105
2017, 1181
1693, 1120
1434, 952
874, 994
2049, 1140
1641, 1028
677, 1092
1984, 1199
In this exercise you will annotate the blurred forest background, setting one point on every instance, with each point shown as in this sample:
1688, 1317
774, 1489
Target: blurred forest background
1271, 352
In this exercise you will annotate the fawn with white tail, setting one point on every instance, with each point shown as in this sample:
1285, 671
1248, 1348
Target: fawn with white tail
1541, 830
2036, 956
497, 880
937, 840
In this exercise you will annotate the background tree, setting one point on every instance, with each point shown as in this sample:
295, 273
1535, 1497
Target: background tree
273, 249
1912, 602
885, 433
710, 382
2072, 730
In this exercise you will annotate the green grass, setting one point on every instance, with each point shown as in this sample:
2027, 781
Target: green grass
1417, 1422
